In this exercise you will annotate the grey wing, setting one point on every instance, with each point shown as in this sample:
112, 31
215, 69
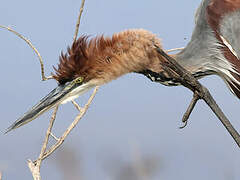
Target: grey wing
224, 18
230, 32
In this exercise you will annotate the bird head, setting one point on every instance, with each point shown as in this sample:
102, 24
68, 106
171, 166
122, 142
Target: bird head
89, 63
73, 79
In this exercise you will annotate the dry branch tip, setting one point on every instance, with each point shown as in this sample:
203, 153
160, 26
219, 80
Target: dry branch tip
34, 49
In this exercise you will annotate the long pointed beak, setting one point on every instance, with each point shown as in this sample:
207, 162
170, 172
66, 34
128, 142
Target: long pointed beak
59, 95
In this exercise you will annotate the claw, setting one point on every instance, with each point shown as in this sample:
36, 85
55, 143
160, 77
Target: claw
184, 125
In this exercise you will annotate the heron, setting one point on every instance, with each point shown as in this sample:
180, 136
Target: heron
214, 48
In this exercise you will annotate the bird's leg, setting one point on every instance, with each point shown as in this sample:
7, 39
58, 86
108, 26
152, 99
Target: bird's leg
169, 76
188, 80
189, 109
161, 77
193, 102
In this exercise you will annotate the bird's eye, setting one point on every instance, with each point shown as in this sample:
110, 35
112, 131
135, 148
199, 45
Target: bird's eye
78, 80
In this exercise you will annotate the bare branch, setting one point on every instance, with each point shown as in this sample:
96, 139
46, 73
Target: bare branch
72, 125
175, 49
35, 170
44, 154
57, 139
187, 80
34, 49
78, 21
82, 111
35, 167
77, 106
47, 136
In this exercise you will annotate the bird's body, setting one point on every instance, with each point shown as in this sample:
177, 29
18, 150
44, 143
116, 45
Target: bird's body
213, 49
215, 44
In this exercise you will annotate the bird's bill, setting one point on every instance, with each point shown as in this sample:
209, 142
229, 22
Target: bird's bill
60, 94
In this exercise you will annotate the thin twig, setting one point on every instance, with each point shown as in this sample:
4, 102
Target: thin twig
34, 49
78, 21
35, 166
72, 125
175, 49
77, 106
54, 136
60, 140
82, 111
39, 161
187, 80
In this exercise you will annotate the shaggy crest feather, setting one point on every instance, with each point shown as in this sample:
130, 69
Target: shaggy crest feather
106, 58
75, 59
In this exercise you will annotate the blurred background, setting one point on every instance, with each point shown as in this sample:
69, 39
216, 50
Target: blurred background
131, 129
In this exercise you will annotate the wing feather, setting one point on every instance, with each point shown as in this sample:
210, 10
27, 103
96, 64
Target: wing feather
223, 16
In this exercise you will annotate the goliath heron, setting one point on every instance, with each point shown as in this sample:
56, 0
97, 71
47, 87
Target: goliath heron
214, 48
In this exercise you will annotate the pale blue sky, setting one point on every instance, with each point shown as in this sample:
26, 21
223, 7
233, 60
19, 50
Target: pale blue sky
131, 111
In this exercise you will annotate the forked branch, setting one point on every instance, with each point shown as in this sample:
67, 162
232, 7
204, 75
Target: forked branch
35, 166
200, 92
70, 128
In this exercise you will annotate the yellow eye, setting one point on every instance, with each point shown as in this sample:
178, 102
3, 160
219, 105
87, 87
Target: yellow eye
78, 80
